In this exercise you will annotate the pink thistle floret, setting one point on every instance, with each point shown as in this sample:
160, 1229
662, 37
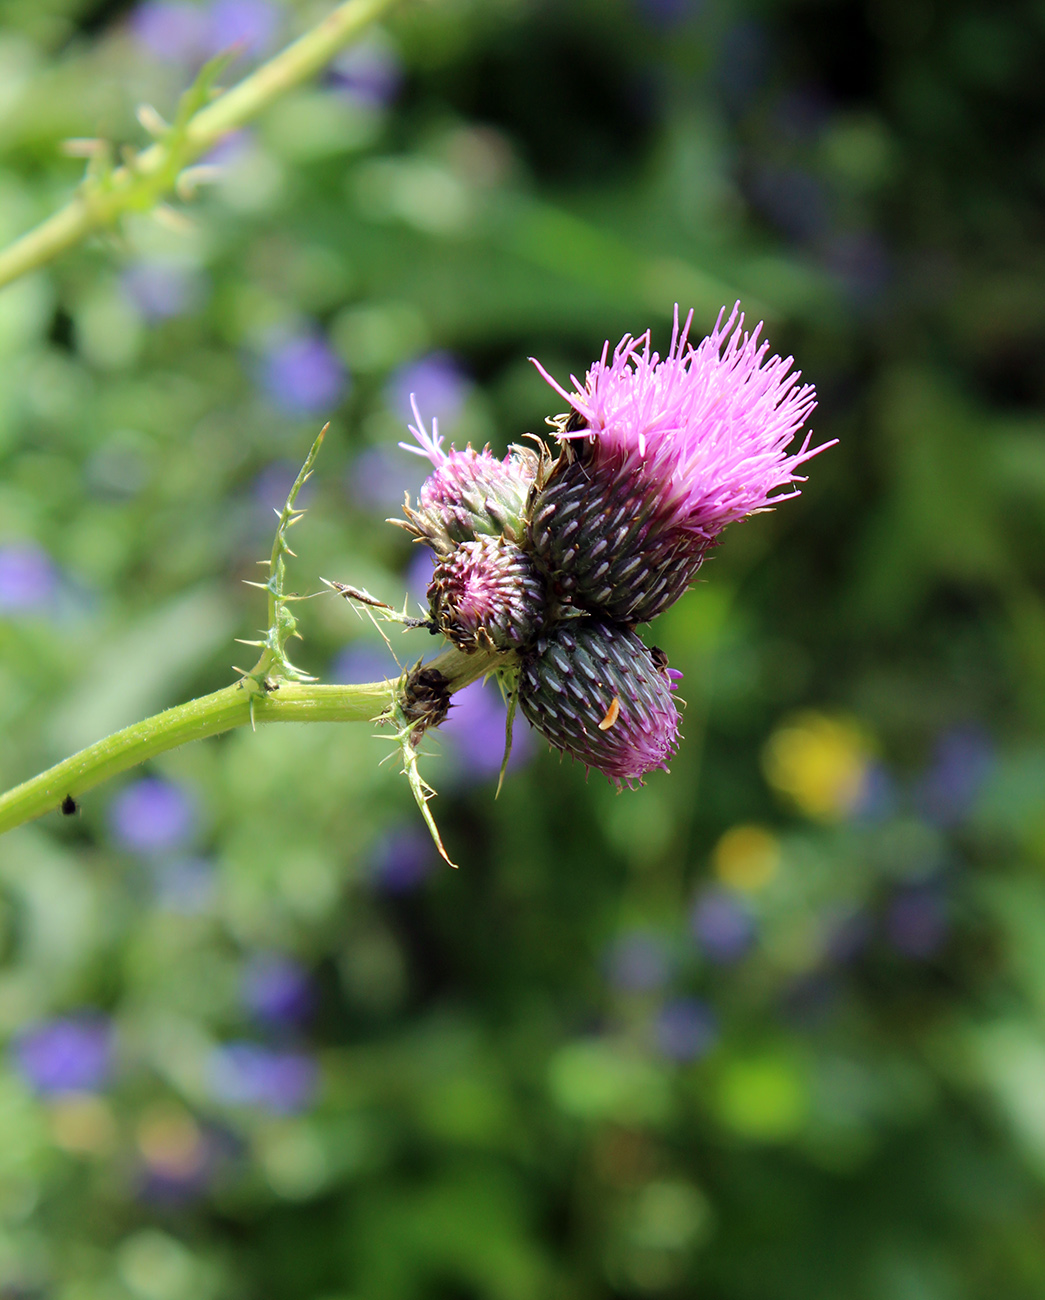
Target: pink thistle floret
704, 430
468, 493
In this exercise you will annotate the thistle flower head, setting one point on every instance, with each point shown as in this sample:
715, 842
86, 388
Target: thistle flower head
595, 691
469, 493
486, 595
663, 454
704, 430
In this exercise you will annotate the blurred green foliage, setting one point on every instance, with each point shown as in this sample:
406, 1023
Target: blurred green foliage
772, 1027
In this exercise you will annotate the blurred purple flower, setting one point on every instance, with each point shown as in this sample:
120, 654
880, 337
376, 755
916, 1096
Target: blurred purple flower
686, 1029
231, 148
184, 886
916, 923
475, 729
161, 289
962, 761
73, 1054
250, 24
801, 113
418, 573
152, 816
28, 578
722, 925
638, 962
794, 200
278, 990
171, 32
249, 1074
368, 73
847, 932
743, 63
859, 260
379, 476
876, 801
402, 859
359, 663
809, 1000
302, 375
438, 384
173, 1187
271, 486
667, 13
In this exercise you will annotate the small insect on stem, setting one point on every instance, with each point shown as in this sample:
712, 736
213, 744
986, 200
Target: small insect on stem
612, 714
69, 806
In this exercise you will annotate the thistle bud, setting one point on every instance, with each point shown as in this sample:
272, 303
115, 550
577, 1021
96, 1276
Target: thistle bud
472, 494
486, 595
469, 494
596, 692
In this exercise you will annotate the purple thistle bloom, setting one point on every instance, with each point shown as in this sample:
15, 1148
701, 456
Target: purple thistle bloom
248, 1074
302, 375
686, 1029
278, 990
659, 456
28, 579
73, 1054
722, 925
152, 816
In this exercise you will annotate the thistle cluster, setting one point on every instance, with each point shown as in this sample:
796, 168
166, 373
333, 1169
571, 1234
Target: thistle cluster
548, 559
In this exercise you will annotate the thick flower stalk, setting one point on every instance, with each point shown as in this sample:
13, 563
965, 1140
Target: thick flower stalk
658, 456
597, 693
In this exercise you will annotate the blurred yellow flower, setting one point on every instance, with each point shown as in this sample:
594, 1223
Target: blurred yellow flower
171, 1142
746, 857
820, 763
82, 1124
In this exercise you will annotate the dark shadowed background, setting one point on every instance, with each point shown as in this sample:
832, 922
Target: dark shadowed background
770, 1028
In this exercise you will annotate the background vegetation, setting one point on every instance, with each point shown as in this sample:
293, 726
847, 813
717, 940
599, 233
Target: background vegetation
771, 1028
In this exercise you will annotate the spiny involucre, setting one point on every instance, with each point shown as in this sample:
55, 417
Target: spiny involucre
596, 692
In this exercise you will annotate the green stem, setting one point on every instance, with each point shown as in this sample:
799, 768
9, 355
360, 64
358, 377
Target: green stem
85, 213
207, 716
234, 706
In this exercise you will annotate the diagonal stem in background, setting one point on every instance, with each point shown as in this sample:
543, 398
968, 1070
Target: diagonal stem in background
155, 170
